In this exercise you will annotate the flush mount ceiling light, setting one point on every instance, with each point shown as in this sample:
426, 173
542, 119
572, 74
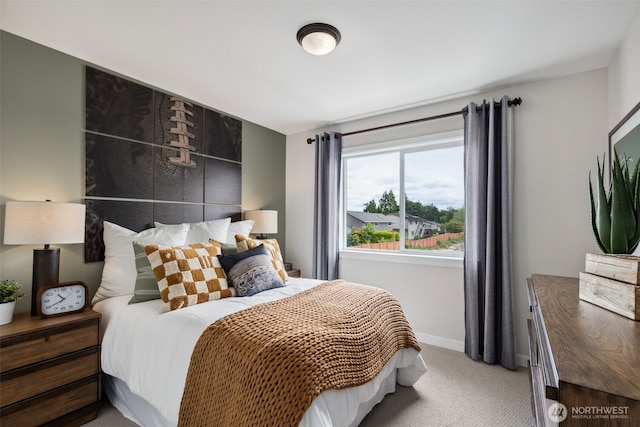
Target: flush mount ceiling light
318, 39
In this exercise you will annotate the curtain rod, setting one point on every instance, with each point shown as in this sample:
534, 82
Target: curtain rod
515, 102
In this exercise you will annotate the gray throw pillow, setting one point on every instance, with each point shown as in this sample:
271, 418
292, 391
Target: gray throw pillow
251, 271
146, 287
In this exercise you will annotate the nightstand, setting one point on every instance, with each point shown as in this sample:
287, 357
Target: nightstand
50, 370
293, 273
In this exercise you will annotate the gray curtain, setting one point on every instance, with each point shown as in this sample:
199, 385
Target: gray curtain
488, 146
326, 236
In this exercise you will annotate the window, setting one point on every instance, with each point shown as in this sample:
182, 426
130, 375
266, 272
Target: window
405, 196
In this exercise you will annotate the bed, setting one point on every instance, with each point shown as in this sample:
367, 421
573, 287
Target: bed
147, 349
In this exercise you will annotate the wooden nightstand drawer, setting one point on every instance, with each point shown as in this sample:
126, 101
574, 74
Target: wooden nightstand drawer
54, 404
293, 273
50, 370
52, 340
30, 381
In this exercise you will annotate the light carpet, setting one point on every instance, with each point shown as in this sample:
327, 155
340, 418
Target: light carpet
455, 391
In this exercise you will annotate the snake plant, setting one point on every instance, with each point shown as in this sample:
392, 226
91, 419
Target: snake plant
615, 218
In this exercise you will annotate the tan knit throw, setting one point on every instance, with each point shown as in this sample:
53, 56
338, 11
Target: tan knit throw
264, 365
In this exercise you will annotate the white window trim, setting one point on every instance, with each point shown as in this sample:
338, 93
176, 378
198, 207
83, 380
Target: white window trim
407, 257
433, 258
439, 139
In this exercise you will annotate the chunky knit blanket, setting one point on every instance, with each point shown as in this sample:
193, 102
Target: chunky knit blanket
264, 365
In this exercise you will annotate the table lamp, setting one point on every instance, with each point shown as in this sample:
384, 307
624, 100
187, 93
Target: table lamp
44, 223
265, 222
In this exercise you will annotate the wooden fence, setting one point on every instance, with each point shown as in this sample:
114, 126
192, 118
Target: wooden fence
428, 242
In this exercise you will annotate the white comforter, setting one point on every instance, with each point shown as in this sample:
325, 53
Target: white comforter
150, 351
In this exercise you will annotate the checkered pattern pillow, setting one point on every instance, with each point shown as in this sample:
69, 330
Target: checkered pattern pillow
188, 275
271, 245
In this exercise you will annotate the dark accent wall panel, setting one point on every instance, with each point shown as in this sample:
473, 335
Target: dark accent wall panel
222, 182
178, 123
136, 216
144, 145
118, 107
177, 213
222, 136
212, 212
118, 168
175, 182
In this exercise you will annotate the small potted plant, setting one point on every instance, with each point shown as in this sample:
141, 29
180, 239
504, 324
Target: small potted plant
9, 294
612, 279
615, 217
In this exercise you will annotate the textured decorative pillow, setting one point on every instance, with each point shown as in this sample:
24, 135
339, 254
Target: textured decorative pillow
251, 271
203, 231
146, 287
272, 247
238, 227
119, 271
188, 275
228, 248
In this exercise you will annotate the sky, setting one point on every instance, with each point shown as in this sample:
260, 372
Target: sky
433, 176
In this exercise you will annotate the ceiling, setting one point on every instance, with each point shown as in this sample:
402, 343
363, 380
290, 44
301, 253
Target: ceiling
242, 57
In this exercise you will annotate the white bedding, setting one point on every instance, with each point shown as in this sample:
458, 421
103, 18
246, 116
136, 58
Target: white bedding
150, 352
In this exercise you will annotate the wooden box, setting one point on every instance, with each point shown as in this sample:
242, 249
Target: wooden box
614, 295
625, 268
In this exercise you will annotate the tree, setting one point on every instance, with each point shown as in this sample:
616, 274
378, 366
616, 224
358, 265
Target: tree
371, 207
388, 203
454, 226
353, 239
458, 215
431, 213
367, 233
414, 208
446, 215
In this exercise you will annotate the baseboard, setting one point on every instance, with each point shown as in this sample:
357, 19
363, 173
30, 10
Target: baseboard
440, 342
521, 360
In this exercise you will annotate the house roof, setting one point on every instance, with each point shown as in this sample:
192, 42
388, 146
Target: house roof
242, 57
378, 217
367, 217
413, 218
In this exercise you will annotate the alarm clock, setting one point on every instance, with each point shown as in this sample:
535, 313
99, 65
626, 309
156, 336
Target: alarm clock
62, 298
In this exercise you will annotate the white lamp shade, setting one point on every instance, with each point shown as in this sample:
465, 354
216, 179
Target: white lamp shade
43, 223
266, 221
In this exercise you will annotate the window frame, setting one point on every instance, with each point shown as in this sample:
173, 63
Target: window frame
402, 147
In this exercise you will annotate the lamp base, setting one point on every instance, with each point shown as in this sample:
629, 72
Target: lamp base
46, 268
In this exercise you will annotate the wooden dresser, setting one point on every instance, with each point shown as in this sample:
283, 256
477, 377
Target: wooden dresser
583, 357
50, 370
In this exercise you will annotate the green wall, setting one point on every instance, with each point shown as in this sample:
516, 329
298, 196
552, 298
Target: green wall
42, 151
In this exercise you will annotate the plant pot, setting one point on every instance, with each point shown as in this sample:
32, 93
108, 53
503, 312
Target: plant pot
6, 312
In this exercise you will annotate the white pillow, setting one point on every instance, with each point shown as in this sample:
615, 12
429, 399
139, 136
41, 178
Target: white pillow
119, 272
239, 227
202, 232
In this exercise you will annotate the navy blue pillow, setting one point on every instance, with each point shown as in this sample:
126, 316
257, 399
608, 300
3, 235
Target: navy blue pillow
251, 271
